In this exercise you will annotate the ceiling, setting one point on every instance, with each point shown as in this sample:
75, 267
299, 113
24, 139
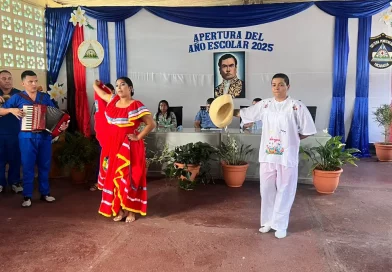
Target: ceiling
167, 3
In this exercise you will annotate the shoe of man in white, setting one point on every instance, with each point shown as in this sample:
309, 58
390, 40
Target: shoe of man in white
17, 188
26, 202
280, 234
265, 229
1, 188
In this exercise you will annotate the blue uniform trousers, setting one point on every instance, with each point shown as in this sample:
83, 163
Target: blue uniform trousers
35, 151
9, 153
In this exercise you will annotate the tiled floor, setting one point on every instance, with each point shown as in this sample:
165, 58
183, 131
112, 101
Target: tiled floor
214, 228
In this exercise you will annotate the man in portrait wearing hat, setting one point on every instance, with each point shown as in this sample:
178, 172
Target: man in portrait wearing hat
9, 143
285, 121
231, 83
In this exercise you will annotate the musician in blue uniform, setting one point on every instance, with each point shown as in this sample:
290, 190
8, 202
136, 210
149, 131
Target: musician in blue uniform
35, 147
9, 143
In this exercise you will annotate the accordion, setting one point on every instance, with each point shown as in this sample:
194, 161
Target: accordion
43, 118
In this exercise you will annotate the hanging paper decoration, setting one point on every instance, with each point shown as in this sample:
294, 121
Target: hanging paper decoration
387, 17
77, 17
57, 92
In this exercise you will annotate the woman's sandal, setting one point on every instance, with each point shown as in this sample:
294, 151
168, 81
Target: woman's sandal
121, 216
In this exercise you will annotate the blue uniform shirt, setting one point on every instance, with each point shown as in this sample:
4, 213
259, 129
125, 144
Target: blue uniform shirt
17, 101
205, 120
9, 124
257, 125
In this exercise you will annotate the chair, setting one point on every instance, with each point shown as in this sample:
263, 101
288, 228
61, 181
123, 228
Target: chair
312, 110
178, 112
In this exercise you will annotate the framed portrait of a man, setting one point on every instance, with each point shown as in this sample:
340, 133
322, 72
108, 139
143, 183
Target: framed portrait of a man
229, 74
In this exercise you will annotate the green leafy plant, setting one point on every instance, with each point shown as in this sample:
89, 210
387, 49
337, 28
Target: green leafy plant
232, 153
331, 156
192, 153
78, 151
383, 116
160, 157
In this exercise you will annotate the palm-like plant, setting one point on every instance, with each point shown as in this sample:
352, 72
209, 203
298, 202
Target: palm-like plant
383, 116
331, 156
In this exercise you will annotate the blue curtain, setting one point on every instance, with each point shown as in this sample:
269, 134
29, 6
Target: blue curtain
59, 32
353, 9
102, 37
121, 50
111, 14
228, 16
358, 136
341, 49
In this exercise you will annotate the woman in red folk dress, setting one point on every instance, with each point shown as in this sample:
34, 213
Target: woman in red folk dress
125, 189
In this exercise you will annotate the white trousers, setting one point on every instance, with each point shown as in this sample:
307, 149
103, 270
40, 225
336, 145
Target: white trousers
278, 185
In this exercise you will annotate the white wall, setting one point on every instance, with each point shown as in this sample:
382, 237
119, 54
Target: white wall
161, 67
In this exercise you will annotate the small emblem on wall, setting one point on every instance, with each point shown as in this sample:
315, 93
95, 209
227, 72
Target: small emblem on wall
380, 51
90, 53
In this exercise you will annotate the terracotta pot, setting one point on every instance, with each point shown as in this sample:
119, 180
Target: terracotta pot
193, 168
383, 152
77, 176
326, 182
234, 175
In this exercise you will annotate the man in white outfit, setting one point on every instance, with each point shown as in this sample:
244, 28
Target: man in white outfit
285, 121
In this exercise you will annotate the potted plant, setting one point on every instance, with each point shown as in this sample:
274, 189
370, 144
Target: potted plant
234, 161
78, 154
162, 157
327, 162
383, 116
191, 156
185, 162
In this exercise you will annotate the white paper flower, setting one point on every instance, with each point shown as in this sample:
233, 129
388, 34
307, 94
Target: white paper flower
54, 95
77, 17
56, 91
74, 19
54, 87
62, 92
386, 18
79, 12
83, 21
325, 130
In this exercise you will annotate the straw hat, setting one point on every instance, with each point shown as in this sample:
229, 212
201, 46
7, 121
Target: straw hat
221, 110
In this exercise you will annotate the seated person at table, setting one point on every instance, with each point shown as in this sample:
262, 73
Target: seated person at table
165, 117
202, 119
251, 125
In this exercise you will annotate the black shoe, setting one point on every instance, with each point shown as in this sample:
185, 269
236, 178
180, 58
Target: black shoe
47, 198
26, 202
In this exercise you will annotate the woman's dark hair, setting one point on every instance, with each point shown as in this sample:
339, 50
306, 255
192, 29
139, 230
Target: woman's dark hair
128, 81
159, 109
